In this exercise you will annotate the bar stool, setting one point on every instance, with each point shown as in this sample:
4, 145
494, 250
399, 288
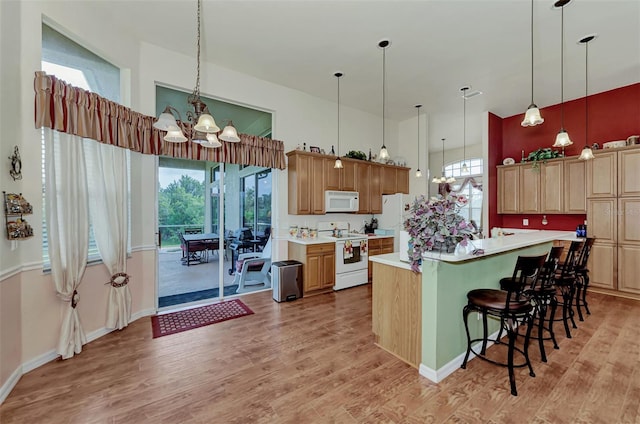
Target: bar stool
512, 307
582, 280
543, 294
565, 281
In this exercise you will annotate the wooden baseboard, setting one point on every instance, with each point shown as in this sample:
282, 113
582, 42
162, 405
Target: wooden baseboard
616, 293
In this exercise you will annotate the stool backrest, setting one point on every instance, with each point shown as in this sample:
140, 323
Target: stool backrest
526, 272
585, 252
571, 261
548, 272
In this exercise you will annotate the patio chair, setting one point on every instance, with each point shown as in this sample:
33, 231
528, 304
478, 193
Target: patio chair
253, 269
197, 252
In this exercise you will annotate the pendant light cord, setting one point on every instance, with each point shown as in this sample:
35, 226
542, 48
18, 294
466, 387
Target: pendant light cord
562, 68
196, 90
338, 152
384, 61
418, 107
464, 126
586, 94
531, 51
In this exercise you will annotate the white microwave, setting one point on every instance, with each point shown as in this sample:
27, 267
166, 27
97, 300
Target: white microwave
341, 201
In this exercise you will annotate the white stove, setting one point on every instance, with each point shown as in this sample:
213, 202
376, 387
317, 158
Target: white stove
352, 254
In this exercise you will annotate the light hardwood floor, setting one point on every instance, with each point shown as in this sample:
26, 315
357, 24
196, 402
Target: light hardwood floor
314, 361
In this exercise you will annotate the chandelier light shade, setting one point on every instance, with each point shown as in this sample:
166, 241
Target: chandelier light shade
229, 134
532, 117
338, 162
203, 124
384, 44
465, 168
587, 153
442, 179
418, 171
562, 139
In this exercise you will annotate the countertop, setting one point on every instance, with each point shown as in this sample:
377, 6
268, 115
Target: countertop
491, 246
323, 239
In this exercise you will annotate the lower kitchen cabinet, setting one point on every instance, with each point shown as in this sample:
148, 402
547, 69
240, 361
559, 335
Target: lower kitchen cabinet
379, 246
318, 265
629, 269
602, 265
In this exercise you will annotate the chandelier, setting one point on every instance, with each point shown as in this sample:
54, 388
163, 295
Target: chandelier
203, 129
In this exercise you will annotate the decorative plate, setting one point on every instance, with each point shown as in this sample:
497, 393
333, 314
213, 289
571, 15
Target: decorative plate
508, 161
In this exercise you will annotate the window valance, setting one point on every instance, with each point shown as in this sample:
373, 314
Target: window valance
72, 110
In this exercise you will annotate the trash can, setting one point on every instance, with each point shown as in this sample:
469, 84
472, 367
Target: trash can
286, 279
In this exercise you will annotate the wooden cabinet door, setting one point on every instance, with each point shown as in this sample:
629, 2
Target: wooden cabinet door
313, 273
602, 265
316, 186
332, 176
328, 270
575, 184
552, 187
629, 173
402, 180
375, 188
628, 269
374, 249
529, 189
508, 189
602, 175
629, 220
348, 182
388, 180
601, 219
364, 185
299, 176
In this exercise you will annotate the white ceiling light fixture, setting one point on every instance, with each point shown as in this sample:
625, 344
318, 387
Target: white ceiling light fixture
442, 179
202, 121
418, 171
338, 163
229, 133
587, 153
383, 44
562, 139
465, 168
532, 117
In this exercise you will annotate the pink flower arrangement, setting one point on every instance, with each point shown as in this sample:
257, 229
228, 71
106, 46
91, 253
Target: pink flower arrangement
436, 224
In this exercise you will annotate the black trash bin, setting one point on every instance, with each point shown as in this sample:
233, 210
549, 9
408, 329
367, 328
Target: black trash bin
286, 279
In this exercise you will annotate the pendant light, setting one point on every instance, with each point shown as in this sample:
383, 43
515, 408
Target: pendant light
587, 153
562, 139
338, 164
532, 117
229, 133
465, 169
383, 44
418, 171
203, 123
443, 179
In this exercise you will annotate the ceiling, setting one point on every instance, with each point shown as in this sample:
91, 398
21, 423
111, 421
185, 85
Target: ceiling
436, 48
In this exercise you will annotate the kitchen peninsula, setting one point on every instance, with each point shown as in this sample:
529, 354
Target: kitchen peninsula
418, 316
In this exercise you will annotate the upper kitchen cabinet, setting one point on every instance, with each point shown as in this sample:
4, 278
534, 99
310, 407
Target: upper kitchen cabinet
602, 175
529, 189
311, 174
575, 200
395, 179
629, 173
340, 179
508, 189
552, 187
306, 184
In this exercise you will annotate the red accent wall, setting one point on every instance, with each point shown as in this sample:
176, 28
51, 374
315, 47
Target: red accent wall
613, 115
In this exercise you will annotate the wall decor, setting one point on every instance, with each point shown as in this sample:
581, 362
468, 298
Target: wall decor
15, 206
16, 165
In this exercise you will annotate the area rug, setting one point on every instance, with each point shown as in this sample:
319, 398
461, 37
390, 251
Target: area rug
177, 322
177, 299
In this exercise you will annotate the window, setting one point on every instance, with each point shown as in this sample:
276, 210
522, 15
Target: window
468, 184
78, 66
256, 201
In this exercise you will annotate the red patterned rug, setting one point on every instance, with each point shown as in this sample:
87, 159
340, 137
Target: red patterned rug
177, 322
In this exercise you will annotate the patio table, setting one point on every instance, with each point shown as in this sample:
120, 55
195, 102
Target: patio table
199, 238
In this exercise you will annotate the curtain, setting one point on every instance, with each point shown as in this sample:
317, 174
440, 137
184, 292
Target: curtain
67, 218
108, 199
72, 110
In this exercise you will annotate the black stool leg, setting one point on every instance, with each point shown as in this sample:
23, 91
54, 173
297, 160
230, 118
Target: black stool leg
584, 293
465, 315
541, 312
552, 317
565, 311
578, 297
512, 340
485, 333
525, 348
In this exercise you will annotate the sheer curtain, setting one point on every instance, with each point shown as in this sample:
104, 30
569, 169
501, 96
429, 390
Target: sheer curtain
108, 198
68, 229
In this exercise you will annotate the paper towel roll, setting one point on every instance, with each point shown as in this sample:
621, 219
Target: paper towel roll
403, 246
